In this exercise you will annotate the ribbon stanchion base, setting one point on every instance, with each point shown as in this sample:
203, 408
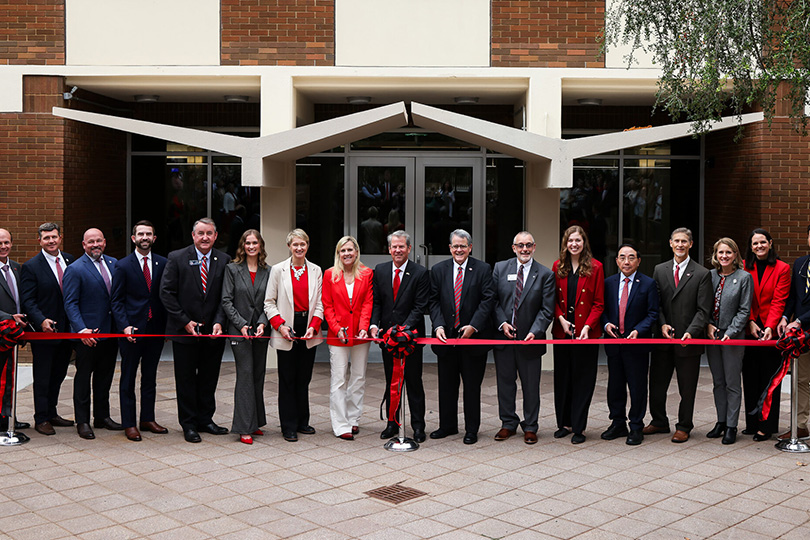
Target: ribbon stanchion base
401, 444
796, 446
13, 438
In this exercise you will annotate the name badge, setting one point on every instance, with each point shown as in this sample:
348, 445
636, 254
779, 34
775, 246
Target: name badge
194, 262
511, 277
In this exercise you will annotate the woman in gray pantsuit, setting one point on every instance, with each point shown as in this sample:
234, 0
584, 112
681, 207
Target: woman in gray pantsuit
243, 301
733, 290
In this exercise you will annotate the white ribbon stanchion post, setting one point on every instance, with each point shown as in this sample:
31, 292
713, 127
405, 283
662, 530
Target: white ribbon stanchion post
12, 438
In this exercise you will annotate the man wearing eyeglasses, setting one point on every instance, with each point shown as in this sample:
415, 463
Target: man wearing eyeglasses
798, 308
524, 308
631, 310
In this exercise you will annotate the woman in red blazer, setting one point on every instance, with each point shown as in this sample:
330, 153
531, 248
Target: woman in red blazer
771, 289
347, 300
580, 303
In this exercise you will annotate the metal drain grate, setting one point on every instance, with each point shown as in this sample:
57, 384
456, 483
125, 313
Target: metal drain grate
395, 494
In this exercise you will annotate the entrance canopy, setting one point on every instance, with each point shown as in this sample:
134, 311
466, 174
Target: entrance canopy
261, 155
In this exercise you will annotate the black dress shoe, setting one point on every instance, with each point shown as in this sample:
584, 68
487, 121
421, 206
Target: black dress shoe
108, 423
470, 438
731, 436
759, 437
419, 435
749, 431
58, 421
85, 431
614, 432
21, 425
441, 433
390, 431
578, 438
562, 432
718, 430
290, 436
635, 437
191, 435
307, 430
213, 429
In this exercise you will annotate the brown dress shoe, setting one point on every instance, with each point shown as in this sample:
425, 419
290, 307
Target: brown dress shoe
58, 421
132, 433
153, 427
504, 434
530, 437
85, 431
680, 436
45, 428
651, 430
801, 433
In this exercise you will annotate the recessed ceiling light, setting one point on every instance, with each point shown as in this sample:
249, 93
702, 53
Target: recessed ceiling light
589, 101
236, 99
466, 100
147, 98
359, 100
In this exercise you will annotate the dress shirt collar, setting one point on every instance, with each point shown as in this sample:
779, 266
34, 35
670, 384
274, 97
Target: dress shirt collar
680, 266
463, 267
141, 257
52, 258
632, 276
200, 255
401, 268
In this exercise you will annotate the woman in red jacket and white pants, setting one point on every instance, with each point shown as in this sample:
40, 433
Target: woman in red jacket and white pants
347, 301
578, 310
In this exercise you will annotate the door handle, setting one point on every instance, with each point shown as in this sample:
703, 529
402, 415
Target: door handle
426, 249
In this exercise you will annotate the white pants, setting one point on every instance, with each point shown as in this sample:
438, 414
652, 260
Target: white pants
348, 367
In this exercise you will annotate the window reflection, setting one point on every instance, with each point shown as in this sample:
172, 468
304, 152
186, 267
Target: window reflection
448, 205
380, 206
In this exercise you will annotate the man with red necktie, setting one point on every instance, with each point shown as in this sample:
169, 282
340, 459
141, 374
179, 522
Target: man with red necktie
41, 280
137, 309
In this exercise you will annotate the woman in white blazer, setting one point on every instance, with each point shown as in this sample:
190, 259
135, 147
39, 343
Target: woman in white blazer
293, 307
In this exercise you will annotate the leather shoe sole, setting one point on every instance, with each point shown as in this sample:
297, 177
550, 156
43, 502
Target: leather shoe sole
213, 429
191, 436
442, 433
132, 434
470, 438
680, 436
85, 431
108, 423
504, 434
45, 428
651, 430
153, 427
530, 437
58, 421
801, 433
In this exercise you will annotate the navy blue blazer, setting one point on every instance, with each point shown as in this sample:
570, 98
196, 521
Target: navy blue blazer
87, 302
131, 298
40, 293
642, 309
798, 303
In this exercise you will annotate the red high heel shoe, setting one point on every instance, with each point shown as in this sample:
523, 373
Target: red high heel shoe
258, 432
247, 439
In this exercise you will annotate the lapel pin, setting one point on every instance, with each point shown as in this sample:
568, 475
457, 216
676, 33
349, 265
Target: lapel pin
735, 281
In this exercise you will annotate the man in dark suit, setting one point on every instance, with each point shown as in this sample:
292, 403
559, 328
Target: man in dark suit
87, 287
461, 300
798, 309
524, 307
401, 296
10, 307
631, 310
191, 292
137, 309
686, 295
44, 305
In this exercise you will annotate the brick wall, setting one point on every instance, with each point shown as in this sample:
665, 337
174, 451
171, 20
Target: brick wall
32, 32
278, 32
762, 181
547, 33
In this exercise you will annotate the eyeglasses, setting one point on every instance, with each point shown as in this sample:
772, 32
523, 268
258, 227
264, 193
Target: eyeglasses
629, 258
524, 246
458, 246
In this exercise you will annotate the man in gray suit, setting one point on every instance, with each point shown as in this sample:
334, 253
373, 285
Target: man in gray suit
524, 308
9, 305
686, 298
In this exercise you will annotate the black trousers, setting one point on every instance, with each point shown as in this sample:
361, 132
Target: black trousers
759, 365
627, 371
95, 367
687, 368
51, 361
196, 373
413, 386
146, 353
457, 364
574, 383
294, 376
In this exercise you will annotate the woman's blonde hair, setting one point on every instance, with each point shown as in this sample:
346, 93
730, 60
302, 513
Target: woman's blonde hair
585, 257
337, 269
297, 233
738, 262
